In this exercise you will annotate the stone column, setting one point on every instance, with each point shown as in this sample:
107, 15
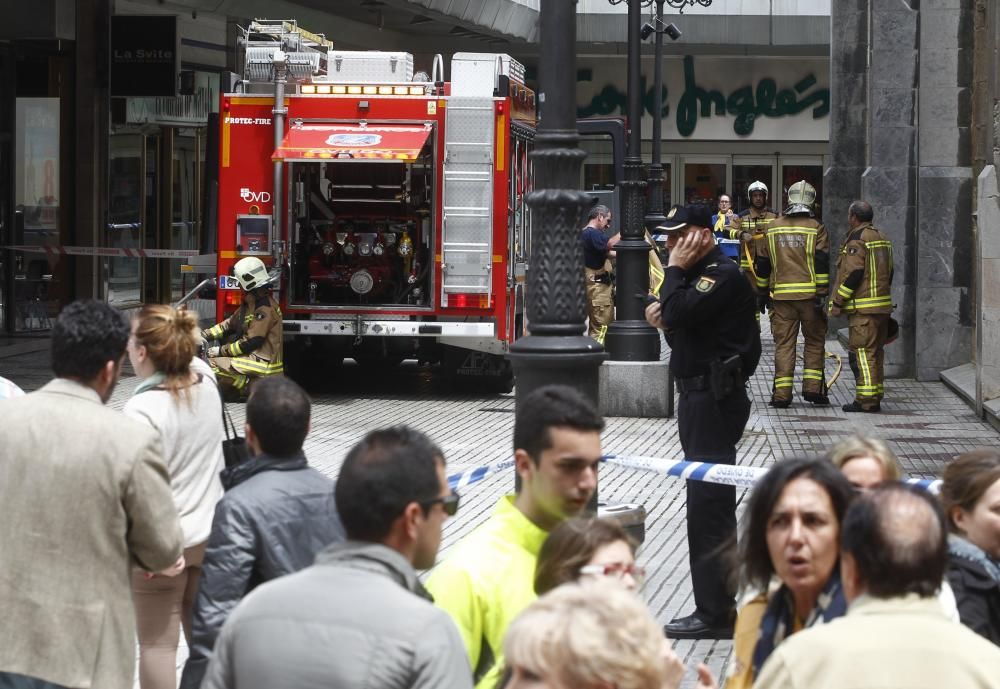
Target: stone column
889, 183
944, 299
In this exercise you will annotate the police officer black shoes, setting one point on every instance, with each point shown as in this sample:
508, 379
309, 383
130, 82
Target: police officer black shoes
819, 399
693, 627
780, 404
855, 407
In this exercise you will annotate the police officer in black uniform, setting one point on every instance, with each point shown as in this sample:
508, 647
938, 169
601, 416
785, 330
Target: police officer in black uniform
707, 312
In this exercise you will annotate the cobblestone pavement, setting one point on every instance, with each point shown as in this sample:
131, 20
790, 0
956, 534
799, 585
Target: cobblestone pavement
924, 423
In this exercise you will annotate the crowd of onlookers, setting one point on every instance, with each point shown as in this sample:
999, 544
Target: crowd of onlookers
129, 526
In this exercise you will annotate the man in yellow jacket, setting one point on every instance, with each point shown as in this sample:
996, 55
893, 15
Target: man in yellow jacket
863, 292
489, 579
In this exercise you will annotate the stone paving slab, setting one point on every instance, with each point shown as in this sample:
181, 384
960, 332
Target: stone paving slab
924, 422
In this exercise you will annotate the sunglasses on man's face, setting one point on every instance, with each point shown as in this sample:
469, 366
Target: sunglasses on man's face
449, 503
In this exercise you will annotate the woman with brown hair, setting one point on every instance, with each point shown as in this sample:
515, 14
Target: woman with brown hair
587, 548
970, 494
178, 397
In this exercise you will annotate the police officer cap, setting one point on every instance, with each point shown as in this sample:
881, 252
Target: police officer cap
680, 217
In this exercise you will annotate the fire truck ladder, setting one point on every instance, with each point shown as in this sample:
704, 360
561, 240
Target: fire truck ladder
467, 227
307, 53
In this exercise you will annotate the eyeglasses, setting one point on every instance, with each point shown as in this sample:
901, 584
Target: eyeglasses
616, 569
449, 503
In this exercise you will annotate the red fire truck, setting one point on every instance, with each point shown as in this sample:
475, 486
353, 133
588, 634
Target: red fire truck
392, 203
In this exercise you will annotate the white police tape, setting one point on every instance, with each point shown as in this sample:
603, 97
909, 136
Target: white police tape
707, 472
476, 474
722, 474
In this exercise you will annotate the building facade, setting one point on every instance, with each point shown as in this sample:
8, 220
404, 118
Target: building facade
106, 139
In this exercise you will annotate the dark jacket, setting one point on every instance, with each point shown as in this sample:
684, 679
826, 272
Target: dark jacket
708, 314
975, 579
277, 513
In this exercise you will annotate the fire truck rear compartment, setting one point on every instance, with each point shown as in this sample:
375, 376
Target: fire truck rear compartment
362, 233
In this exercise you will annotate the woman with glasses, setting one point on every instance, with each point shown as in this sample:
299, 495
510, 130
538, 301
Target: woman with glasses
587, 548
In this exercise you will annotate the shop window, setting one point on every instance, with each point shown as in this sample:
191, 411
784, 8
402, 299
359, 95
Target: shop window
704, 183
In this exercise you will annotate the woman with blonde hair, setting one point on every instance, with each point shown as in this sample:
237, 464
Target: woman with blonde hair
865, 462
178, 396
592, 634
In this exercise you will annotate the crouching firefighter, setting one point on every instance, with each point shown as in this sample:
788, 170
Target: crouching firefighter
255, 332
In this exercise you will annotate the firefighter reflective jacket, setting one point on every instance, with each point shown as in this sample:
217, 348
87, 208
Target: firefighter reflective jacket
755, 222
793, 260
258, 327
864, 272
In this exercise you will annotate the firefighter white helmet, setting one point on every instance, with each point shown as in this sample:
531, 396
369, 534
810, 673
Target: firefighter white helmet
801, 197
251, 273
756, 186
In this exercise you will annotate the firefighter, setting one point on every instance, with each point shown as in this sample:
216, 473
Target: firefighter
792, 265
750, 227
864, 281
597, 252
256, 326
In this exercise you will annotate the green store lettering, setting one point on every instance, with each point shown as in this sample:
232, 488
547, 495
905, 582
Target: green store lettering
746, 103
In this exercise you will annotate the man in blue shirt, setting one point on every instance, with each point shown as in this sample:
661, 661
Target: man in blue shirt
598, 249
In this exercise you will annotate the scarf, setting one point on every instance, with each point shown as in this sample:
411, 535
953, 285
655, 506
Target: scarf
779, 617
966, 550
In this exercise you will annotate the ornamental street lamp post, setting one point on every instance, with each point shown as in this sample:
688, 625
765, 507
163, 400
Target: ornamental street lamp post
556, 350
630, 337
654, 214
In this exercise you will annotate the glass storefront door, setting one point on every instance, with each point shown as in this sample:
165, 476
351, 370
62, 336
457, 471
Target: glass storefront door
187, 173
37, 217
704, 180
155, 202
126, 215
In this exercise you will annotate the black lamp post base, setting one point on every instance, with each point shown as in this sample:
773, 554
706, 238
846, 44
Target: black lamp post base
633, 341
569, 360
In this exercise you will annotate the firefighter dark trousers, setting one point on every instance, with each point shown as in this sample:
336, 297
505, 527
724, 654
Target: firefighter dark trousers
868, 333
786, 317
709, 430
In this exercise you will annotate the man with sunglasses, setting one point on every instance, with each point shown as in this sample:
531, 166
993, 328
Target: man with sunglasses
707, 313
359, 616
490, 577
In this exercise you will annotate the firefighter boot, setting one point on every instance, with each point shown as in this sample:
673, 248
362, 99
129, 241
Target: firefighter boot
813, 376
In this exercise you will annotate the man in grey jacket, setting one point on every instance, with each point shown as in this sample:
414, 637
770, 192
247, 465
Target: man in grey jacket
276, 514
359, 617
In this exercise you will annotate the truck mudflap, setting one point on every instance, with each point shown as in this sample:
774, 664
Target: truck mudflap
365, 327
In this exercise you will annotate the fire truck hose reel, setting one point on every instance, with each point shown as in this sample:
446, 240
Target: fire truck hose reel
362, 282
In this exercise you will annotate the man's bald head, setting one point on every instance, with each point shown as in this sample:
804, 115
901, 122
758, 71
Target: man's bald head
897, 538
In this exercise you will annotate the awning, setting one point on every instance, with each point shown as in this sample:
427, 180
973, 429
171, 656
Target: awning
387, 142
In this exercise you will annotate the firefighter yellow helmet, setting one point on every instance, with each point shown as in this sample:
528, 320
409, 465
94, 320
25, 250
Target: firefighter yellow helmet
801, 197
251, 273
